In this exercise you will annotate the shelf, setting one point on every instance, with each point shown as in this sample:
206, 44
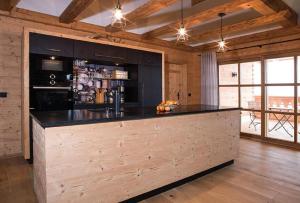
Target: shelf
106, 78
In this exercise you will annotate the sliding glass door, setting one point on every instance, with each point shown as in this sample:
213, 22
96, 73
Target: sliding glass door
268, 92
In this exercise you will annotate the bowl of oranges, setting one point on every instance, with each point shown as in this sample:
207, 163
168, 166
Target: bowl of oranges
167, 106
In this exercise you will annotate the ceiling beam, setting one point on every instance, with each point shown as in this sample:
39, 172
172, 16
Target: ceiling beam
267, 7
8, 5
199, 17
194, 2
73, 10
87, 30
257, 39
147, 9
197, 36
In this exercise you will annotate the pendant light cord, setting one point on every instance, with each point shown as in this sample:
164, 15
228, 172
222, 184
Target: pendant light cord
118, 4
181, 12
221, 27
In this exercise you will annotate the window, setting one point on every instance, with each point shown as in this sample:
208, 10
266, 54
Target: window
251, 72
268, 104
228, 81
280, 97
242, 90
280, 126
251, 122
280, 70
228, 74
251, 98
229, 96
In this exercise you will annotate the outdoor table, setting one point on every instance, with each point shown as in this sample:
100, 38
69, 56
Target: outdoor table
283, 120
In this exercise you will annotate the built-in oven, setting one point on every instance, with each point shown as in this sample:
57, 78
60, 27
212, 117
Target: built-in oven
49, 98
51, 82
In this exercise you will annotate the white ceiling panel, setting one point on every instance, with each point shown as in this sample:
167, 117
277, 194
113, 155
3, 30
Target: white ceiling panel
104, 18
50, 7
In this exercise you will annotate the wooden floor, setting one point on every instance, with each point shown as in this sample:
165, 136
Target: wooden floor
263, 173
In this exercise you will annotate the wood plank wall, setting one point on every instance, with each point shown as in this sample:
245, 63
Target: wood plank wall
10, 75
278, 49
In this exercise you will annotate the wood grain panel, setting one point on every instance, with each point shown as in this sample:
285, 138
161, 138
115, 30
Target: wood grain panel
74, 9
198, 18
87, 163
39, 166
8, 5
267, 7
269, 173
10, 82
197, 36
257, 39
147, 9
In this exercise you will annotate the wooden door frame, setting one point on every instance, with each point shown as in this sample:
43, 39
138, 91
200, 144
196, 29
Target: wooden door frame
25, 113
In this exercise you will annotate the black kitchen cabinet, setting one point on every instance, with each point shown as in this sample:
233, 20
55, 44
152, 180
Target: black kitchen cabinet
110, 53
150, 85
150, 58
149, 64
133, 56
83, 50
50, 45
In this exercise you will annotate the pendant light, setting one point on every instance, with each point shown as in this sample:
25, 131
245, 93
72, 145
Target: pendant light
118, 19
222, 43
182, 35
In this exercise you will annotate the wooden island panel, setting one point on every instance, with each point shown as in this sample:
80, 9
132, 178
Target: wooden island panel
114, 161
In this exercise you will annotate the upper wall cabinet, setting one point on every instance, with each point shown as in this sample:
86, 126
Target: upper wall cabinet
50, 45
83, 50
150, 58
110, 53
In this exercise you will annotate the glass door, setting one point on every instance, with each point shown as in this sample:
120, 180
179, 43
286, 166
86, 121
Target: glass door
250, 96
280, 98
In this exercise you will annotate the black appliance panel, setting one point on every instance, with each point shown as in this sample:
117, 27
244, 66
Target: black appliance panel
51, 82
50, 71
51, 99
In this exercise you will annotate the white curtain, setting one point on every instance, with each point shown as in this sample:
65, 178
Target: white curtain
209, 78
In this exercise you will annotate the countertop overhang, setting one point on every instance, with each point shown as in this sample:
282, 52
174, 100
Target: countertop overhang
88, 116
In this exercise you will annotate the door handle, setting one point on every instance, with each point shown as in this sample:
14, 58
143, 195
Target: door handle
178, 96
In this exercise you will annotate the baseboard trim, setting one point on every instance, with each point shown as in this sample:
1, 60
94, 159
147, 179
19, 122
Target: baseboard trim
176, 184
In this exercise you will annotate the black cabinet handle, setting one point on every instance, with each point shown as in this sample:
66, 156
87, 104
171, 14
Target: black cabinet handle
178, 95
114, 57
55, 50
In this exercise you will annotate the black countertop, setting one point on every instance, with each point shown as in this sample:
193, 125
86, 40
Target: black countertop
88, 116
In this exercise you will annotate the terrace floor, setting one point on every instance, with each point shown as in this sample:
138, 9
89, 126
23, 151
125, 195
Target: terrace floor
281, 134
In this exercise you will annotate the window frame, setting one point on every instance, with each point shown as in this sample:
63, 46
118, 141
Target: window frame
262, 59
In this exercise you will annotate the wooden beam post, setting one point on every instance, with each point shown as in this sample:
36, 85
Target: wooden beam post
241, 26
147, 9
200, 17
73, 10
8, 5
267, 7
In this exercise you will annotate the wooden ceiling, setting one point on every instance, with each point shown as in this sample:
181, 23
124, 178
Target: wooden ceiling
268, 13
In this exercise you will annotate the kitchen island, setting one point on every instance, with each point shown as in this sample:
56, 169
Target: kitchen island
98, 156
